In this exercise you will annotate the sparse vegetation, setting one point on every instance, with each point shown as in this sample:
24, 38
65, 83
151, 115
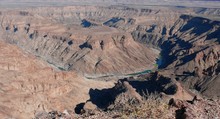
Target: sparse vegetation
152, 107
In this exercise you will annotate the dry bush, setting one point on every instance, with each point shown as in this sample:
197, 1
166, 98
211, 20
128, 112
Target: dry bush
152, 107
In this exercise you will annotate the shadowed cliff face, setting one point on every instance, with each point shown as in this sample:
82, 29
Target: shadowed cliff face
189, 49
151, 84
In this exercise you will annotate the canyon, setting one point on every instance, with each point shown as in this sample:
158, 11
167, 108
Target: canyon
69, 59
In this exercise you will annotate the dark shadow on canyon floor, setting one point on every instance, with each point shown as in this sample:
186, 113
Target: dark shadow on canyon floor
103, 98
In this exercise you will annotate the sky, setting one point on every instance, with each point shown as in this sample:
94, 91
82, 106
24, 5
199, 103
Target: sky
32, 3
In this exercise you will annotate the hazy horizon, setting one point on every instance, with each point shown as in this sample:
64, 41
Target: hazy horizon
39, 3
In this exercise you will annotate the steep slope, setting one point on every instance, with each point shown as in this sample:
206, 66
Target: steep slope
61, 40
29, 85
126, 100
189, 49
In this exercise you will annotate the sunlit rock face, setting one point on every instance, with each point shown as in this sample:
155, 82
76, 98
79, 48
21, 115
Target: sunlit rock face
92, 40
29, 85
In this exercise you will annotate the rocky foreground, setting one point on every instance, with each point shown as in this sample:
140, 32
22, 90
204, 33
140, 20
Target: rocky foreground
123, 101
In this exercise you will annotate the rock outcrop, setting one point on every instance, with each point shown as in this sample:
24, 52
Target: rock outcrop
189, 49
129, 103
30, 86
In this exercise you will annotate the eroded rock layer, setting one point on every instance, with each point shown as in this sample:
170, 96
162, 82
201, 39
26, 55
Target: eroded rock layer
61, 36
29, 85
